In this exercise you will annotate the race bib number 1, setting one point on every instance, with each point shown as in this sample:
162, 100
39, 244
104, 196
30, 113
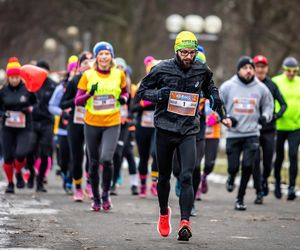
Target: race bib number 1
16, 119
182, 103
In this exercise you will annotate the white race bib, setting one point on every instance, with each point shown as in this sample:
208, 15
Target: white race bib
104, 102
244, 105
182, 103
124, 111
147, 119
16, 119
79, 115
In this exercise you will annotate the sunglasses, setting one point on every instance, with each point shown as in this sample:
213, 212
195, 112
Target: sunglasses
291, 70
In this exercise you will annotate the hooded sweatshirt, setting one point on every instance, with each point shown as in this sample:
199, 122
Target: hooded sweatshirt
246, 103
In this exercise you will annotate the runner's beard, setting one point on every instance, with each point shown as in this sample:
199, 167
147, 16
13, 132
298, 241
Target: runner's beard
185, 64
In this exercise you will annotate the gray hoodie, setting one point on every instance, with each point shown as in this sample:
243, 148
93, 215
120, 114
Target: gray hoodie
246, 103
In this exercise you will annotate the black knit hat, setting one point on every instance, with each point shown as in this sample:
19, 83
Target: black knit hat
85, 55
243, 61
43, 65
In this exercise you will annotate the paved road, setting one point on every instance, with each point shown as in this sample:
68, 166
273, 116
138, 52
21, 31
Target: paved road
54, 221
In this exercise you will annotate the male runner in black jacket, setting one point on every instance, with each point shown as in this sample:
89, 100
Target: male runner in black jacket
175, 86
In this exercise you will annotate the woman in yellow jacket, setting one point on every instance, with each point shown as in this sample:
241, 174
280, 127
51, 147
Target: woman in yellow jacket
102, 90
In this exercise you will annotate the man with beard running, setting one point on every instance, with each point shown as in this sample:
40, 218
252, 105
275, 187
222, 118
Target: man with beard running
248, 103
175, 86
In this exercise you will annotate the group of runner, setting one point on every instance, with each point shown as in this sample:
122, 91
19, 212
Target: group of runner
95, 115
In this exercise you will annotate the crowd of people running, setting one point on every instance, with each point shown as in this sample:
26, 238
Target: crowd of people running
93, 118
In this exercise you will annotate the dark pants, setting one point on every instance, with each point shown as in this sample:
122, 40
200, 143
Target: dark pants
41, 146
128, 153
145, 144
267, 145
107, 138
234, 147
293, 138
118, 155
166, 143
76, 144
15, 144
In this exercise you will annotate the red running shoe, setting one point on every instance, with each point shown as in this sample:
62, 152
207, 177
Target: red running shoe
184, 231
164, 227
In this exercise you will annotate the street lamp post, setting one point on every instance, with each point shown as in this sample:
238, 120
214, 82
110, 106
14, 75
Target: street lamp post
205, 29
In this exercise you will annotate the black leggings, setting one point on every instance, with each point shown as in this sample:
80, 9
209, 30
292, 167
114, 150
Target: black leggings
118, 155
15, 144
64, 157
234, 148
41, 146
267, 145
145, 144
128, 153
166, 143
293, 138
211, 152
107, 137
76, 144
200, 147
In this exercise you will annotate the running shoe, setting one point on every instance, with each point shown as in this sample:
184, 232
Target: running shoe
277, 191
134, 190
106, 201
164, 227
194, 211
291, 194
68, 188
30, 182
198, 194
230, 183
184, 231
259, 198
10, 188
120, 180
96, 206
40, 188
143, 191
204, 186
88, 191
239, 205
78, 195
153, 189
177, 188
113, 190
20, 180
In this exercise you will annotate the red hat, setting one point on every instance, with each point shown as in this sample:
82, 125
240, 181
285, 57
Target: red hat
13, 67
260, 59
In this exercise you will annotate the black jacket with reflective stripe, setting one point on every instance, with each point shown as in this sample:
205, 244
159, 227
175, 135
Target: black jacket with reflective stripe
170, 73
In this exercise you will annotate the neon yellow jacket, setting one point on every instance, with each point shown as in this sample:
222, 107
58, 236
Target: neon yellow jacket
290, 91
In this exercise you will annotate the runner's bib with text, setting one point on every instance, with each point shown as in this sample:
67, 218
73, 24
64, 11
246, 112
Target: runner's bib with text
104, 102
16, 119
244, 105
79, 115
147, 119
182, 103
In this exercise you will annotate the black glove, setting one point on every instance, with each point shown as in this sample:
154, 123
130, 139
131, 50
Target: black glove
275, 117
215, 102
93, 89
122, 100
65, 118
163, 94
262, 120
233, 121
